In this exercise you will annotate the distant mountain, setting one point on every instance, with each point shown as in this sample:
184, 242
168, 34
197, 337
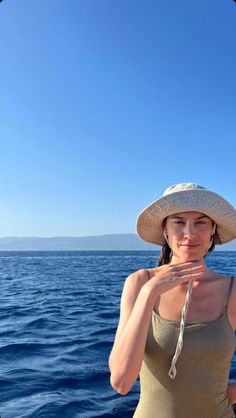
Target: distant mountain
97, 242
88, 243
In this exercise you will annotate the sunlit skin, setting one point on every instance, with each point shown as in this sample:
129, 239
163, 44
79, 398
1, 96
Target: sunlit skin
189, 236
163, 290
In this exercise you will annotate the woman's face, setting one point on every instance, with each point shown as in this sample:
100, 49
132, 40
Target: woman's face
189, 235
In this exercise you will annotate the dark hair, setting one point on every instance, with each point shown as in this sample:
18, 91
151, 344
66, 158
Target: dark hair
166, 252
165, 255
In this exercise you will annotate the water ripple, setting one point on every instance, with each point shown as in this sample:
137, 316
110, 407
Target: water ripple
59, 312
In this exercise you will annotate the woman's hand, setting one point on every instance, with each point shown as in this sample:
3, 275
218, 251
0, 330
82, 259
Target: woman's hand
168, 276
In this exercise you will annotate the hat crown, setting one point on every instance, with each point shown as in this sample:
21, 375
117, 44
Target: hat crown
180, 187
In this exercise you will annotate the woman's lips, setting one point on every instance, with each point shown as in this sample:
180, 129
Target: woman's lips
189, 245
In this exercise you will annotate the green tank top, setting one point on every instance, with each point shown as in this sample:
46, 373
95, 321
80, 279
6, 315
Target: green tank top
199, 388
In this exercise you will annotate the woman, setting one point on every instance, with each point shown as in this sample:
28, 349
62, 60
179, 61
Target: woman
177, 320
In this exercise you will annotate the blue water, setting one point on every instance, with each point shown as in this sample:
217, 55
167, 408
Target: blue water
59, 312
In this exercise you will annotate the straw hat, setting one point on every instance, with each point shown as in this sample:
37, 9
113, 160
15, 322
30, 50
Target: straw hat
187, 197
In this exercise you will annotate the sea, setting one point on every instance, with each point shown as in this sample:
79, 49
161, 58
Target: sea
59, 313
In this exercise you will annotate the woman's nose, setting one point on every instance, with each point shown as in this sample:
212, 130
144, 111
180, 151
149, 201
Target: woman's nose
189, 230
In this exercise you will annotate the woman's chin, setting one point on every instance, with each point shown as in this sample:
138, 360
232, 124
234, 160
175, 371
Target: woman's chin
191, 254
184, 258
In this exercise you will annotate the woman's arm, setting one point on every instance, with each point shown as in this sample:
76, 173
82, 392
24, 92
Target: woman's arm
128, 350
137, 302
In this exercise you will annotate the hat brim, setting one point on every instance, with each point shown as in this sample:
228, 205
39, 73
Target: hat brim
149, 221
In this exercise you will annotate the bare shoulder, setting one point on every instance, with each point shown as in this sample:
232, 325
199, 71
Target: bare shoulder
135, 281
131, 289
232, 290
232, 304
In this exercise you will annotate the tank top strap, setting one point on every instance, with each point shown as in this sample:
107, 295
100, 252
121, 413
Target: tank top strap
229, 292
149, 277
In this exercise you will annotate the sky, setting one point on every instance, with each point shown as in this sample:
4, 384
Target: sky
104, 104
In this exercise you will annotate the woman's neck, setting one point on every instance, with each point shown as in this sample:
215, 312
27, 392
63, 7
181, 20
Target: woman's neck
178, 260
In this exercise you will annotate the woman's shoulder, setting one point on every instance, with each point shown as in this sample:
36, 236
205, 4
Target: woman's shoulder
139, 277
213, 275
231, 302
132, 286
232, 286
136, 280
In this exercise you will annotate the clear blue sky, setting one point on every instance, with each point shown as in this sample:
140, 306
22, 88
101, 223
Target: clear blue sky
106, 103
